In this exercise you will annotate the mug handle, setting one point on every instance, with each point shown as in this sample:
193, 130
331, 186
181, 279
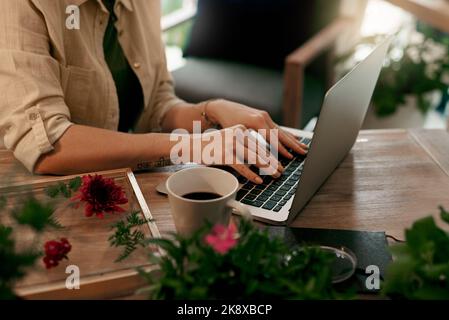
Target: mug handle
240, 208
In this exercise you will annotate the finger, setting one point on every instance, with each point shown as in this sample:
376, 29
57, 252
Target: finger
291, 134
277, 144
253, 144
280, 146
272, 137
296, 138
291, 143
267, 166
288, 139
247, 173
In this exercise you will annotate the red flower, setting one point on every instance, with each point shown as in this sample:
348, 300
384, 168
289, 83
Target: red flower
55, 251
222, 239
101, 195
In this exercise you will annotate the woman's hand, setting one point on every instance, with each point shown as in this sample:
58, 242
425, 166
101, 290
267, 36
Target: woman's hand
229, 114
235, 147
237, 118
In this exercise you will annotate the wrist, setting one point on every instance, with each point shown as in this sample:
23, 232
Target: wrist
210, 110
159, 156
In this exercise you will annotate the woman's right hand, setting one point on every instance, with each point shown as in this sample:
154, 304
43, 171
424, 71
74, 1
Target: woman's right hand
238, 148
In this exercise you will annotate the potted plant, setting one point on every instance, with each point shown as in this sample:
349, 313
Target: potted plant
420, 269
415, 75
221, 262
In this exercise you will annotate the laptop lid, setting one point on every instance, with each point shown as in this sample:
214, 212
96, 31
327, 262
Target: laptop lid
341, 117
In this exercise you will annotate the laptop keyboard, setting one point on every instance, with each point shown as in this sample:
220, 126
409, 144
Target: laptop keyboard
273, 194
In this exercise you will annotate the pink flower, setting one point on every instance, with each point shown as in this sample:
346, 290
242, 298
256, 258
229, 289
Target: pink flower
222, 239
101, 195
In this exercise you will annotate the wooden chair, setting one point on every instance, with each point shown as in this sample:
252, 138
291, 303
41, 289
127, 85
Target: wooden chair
274, 55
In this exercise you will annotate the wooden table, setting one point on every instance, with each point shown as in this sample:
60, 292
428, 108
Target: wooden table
390, 179
433, 12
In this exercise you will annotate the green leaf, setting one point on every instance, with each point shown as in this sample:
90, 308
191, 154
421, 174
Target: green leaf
3, 202
75, 184
400, 277
431, 292
420, 269
444, 215
257, 268
400, 250
52, 191
127, 236
5, 240
428, 242
13, 263
435, 271
35, 214
52, 222
64, 190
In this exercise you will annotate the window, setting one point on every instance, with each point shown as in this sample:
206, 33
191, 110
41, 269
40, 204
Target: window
176, 23
170, 6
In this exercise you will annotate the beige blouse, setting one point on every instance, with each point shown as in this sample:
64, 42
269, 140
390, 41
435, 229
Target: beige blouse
53, 75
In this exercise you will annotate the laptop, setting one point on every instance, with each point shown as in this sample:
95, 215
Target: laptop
279, 201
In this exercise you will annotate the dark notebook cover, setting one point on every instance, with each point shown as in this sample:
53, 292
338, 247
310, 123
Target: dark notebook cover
371, 248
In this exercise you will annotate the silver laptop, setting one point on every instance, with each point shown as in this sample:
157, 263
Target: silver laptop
279, 201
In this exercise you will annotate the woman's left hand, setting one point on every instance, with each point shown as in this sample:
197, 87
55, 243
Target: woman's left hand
229, 114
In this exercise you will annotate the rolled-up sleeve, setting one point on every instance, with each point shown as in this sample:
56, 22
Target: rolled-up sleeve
164, 98
33, 114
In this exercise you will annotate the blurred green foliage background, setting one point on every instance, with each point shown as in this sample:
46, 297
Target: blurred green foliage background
176, 36
169, 6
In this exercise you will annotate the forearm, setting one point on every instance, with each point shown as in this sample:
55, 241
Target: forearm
87, 149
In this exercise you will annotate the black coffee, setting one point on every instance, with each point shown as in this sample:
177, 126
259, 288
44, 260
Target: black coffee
201, 196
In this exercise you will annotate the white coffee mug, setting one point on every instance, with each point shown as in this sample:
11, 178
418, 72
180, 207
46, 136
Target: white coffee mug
191, 215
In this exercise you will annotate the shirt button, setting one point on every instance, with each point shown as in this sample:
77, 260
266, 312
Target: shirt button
136, 65
33, 116
120, 33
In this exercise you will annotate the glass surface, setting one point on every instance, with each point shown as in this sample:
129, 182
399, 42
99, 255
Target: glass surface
91, 250
344, 265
